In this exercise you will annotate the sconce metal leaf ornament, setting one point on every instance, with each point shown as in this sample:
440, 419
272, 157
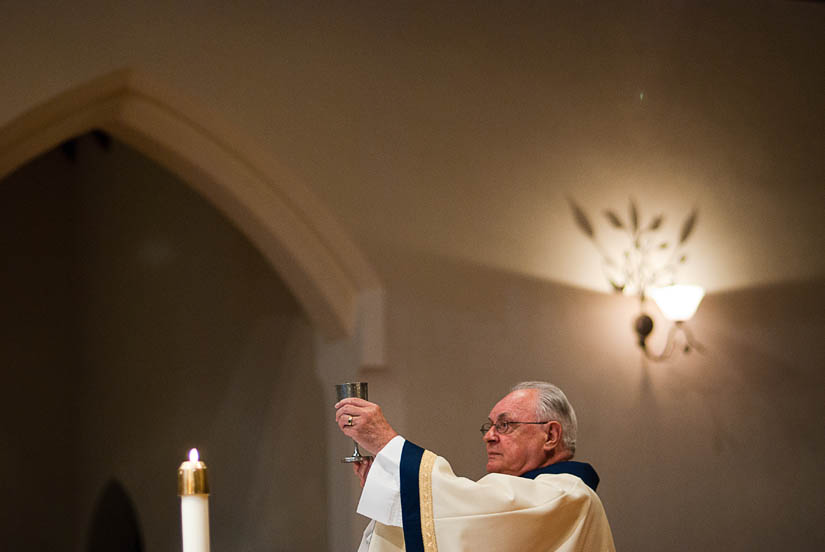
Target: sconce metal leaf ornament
616, 287
642, 264
648, 262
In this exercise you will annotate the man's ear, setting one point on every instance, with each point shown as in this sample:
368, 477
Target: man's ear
553, 435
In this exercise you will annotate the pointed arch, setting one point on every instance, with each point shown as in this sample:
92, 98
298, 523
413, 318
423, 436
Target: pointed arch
300, 239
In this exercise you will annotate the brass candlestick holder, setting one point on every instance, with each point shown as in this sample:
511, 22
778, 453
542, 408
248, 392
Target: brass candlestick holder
192, 478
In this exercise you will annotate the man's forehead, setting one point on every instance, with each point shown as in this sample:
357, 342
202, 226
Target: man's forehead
515, 404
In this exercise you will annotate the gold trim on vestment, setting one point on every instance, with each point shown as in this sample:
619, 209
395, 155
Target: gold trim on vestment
425, 495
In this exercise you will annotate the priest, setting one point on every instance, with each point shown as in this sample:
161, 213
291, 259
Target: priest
535, 497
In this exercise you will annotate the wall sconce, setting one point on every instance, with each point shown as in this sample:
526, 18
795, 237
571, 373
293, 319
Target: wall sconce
647, 267
678, 304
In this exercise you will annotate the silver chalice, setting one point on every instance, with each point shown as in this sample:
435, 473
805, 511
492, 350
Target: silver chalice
347, 390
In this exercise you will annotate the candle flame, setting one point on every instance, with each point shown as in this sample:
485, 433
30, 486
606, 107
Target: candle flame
193, 455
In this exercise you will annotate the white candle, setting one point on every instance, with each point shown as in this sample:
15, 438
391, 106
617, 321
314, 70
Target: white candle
193, 489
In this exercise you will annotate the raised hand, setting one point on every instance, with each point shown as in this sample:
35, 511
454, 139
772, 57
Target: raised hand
364, 422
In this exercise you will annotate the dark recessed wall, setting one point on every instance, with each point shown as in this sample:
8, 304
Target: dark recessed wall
138, 323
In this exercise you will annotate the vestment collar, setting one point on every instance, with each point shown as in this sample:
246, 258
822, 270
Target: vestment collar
582, 470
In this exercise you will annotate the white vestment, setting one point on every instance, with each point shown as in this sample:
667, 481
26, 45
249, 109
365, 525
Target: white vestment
497, 513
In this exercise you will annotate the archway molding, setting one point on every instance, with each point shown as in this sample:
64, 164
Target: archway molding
322, 267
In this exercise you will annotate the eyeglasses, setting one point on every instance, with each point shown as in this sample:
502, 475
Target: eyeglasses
503, 427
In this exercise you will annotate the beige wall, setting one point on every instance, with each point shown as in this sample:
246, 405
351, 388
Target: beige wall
459, 129
445, 139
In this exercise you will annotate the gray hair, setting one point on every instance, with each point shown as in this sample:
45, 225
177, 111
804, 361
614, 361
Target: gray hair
552, 405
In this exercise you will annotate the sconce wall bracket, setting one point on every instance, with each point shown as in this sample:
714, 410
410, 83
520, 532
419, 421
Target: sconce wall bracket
644, 327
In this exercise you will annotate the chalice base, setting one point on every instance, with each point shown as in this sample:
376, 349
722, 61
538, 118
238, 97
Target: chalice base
351, 459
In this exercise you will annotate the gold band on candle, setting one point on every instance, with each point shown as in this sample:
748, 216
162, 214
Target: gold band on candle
192, 479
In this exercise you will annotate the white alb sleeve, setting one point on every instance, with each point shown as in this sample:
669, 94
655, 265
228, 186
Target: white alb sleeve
381, 497
366, 539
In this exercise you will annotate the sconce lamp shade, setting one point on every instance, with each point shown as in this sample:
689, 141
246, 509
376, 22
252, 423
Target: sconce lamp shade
677, 302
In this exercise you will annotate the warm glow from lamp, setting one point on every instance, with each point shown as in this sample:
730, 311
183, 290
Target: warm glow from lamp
193, 456
677, 302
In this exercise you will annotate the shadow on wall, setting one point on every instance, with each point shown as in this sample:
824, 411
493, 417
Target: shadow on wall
115, 526
769, 340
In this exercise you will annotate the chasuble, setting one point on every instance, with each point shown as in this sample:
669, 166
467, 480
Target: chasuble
537, 512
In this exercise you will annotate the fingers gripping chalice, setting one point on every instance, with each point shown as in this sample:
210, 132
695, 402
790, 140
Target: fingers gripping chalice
344, 391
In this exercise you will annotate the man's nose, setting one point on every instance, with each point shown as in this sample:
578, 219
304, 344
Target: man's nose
491, 435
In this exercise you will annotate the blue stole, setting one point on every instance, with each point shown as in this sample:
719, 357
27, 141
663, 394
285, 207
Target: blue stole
411, 456
410, 499
582, 470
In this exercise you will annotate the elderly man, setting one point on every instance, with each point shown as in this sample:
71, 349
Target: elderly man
534, 498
